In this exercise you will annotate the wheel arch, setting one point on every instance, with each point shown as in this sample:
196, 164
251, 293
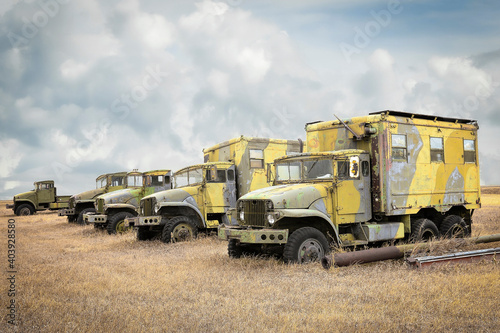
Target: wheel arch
293, 223
172, 209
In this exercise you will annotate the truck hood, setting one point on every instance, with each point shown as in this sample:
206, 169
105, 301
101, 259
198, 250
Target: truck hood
127, 195
174, 195
295, 196
24, 195
88, 195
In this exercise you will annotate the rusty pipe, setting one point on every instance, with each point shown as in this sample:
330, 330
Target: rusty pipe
385, 253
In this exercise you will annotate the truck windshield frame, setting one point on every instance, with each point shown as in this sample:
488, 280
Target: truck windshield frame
188, 177
101, 182
312, 169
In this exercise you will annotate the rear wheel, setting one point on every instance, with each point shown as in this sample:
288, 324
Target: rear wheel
179, 229
80, 219
453, 226
423, 230
116, 223
306, 245
24, 210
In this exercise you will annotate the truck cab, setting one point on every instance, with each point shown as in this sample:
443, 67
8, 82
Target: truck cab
112, 208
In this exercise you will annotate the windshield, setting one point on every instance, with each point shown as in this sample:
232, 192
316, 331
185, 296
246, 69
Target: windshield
304, 170
188, 177
101, 182
134, 180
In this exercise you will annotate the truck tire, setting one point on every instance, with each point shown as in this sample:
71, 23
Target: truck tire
453, 226
305, 245
236, 250
24, 210
143, 234
80, 220
179, 229
423, 230
116, 223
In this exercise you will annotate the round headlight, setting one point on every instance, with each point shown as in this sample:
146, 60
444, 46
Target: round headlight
242, 216
269, 205
270, 219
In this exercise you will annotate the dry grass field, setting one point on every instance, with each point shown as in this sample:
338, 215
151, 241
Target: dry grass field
72, 278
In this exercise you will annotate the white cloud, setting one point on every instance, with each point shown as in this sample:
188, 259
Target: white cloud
72, 69
254, 64
10, 185
10, 156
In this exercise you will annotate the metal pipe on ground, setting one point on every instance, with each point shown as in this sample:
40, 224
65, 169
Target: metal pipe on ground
389, 252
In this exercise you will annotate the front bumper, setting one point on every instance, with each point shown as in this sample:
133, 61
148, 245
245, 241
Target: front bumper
253, 236
142, 221
8, 206
93, 218
66, 212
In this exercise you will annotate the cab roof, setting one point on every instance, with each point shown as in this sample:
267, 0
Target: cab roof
325, 154
208, 164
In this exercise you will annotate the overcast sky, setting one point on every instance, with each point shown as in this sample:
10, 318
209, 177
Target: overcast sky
89, 87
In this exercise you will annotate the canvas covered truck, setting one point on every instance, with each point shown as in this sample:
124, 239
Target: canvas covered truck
83, 203
203, 193
112, 208
43, 197
384, 177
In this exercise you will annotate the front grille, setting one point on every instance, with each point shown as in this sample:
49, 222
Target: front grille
100, 206
71, 203
147, 206
255, 212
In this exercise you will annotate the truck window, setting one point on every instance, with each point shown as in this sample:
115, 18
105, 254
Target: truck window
469, 151
155, 180
230, 175
399, 147
134, 180
256, 158
116, 181
220, 178
365, 168
437, 149
343, 169
319, 169
288, 171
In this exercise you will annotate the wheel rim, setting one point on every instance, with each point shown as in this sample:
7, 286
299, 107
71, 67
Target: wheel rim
457, 231
120, 227
427, 234
310, 250
24, 211
182, 232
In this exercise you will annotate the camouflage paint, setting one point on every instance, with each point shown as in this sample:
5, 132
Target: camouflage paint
403, 181
208, 202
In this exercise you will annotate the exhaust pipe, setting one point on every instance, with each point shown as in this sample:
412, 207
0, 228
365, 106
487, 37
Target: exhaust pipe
385, 253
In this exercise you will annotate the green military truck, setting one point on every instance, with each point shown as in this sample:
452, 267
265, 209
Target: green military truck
203, 193
112, 208
83, 202
380, 178
43, 197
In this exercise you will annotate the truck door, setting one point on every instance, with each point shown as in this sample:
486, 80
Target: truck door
352, 192
46, 193
219, 192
